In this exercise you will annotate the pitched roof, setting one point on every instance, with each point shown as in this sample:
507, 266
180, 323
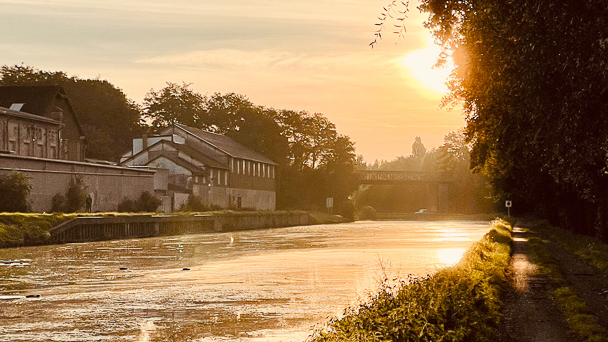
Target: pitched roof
196, 154
226, 144
206, 160
179, 161
29, 116
36, 99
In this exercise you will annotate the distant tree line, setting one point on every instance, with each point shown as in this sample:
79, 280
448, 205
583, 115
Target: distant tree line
315, 161
533, 78
468, 193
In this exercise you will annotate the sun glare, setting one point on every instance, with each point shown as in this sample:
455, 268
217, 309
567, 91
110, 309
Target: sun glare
450, 256
420, 65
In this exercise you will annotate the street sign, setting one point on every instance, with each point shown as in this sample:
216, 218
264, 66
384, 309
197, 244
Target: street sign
329, 203
508, 204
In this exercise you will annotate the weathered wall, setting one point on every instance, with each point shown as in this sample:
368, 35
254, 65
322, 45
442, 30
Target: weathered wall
107, 185
229, 197
106, 228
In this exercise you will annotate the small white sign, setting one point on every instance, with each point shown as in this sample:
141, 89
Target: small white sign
508, 204
329, 203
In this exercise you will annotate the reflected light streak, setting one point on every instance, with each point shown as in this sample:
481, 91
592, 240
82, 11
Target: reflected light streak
450, 256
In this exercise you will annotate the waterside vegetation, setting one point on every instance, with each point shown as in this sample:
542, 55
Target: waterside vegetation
460, 303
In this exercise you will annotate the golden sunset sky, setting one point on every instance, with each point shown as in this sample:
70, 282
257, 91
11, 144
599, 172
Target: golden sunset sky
295, 54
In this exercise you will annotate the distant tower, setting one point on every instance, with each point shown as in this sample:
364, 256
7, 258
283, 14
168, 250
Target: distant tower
418, 149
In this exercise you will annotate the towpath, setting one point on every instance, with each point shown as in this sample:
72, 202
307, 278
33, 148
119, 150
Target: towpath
528, 312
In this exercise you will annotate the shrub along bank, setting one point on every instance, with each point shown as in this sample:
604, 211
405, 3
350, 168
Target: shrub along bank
459, 303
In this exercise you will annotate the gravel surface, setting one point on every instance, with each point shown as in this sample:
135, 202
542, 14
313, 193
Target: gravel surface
528, 313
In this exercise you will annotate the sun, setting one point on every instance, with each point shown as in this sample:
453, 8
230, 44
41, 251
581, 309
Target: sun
420, 65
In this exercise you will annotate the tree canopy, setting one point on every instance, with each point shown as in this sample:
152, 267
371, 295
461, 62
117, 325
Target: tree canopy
533, 79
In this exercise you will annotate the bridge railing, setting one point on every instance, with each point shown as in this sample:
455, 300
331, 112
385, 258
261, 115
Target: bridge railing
382, 176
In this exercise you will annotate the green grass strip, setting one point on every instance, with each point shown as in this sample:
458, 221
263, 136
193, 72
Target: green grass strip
592, 250
459, 303
579, 318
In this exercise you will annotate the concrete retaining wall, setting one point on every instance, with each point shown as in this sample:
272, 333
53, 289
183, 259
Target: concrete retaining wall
83, 229
108, 185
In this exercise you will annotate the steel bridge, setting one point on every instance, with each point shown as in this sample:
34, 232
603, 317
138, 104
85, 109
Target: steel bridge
438, 182
396, 177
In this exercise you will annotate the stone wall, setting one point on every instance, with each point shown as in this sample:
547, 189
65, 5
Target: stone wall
107, 185
106, 228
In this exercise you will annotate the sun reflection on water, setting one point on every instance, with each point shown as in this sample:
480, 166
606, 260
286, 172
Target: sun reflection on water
450, 256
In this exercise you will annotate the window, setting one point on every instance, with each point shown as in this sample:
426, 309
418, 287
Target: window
238, 167
226, 178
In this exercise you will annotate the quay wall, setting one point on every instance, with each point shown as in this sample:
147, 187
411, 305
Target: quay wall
95, 228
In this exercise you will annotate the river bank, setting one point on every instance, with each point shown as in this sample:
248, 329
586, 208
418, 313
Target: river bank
457, 303
31, 229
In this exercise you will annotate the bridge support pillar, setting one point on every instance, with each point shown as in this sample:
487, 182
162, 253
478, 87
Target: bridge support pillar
443, 193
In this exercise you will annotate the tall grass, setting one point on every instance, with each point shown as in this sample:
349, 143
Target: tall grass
459, 303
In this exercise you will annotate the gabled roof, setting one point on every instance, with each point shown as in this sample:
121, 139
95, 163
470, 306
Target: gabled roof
225, 144
206, 160
28, 116
37, 99
183, 163
196, 154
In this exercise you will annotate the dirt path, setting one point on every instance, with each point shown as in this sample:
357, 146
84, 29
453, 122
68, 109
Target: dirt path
528, 314
588, 284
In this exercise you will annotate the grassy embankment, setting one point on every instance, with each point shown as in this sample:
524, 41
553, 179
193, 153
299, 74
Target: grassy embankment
579, 318
18, 229
460, 303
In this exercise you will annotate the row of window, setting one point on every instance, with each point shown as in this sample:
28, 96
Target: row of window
217, 177
248, 167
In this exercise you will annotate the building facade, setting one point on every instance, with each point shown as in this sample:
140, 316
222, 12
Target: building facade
38, 121
41, 137
213, 167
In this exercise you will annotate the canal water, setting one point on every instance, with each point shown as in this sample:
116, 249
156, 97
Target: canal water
262, 285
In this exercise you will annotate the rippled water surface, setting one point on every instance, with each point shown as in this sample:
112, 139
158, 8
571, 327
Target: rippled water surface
263, 285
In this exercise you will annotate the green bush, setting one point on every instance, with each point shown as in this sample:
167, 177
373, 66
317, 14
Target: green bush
76, 196
145, 203
14, 191
194, 204
58, 203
